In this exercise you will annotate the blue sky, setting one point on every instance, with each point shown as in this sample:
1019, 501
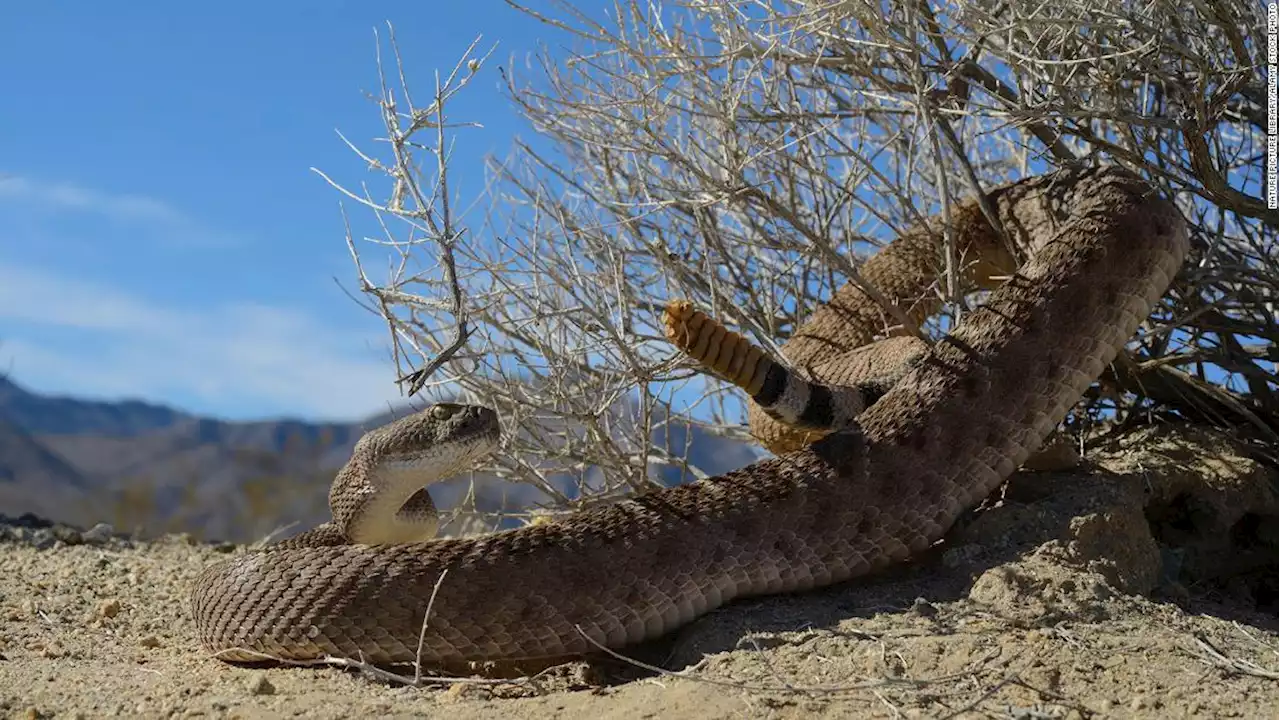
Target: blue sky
161, 234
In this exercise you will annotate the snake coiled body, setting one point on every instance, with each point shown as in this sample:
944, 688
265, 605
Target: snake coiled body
1102, 249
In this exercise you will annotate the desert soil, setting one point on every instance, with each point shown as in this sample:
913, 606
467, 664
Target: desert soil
1143, 585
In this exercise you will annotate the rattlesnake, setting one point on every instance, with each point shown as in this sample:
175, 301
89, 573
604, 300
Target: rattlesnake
1102, 248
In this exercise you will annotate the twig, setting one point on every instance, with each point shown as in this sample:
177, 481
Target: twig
1203, 651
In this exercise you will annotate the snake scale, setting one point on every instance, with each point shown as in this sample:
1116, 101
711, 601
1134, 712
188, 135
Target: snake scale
1101, 248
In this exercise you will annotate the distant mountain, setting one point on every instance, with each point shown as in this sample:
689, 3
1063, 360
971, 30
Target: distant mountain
137, 464
39, 414
32, 477
20, 453
152, 468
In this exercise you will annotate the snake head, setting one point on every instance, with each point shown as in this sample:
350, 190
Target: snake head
440, 439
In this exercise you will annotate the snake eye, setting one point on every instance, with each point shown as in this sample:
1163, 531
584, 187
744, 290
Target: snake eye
443, 411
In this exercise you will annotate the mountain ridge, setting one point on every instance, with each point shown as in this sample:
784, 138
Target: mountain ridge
140, 464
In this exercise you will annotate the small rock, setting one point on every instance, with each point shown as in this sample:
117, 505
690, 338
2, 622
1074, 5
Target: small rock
109, 608
42, 539
52, 651
98, 534
262, 686
67, 534
150, 641
1100, 591
456, 692
924, 608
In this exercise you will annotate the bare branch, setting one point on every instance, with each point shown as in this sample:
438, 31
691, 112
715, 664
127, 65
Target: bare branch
749, 157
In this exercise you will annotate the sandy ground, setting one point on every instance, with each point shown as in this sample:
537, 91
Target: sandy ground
1057, 601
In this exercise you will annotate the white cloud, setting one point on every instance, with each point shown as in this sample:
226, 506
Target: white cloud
33, 295
238, 359
64, 196
155, 215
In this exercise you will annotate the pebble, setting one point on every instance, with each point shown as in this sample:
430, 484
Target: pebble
42, 539
262, 686
98, 534
52, 651
924, 608
109, 608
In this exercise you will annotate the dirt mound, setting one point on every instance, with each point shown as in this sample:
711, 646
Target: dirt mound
1142, 585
